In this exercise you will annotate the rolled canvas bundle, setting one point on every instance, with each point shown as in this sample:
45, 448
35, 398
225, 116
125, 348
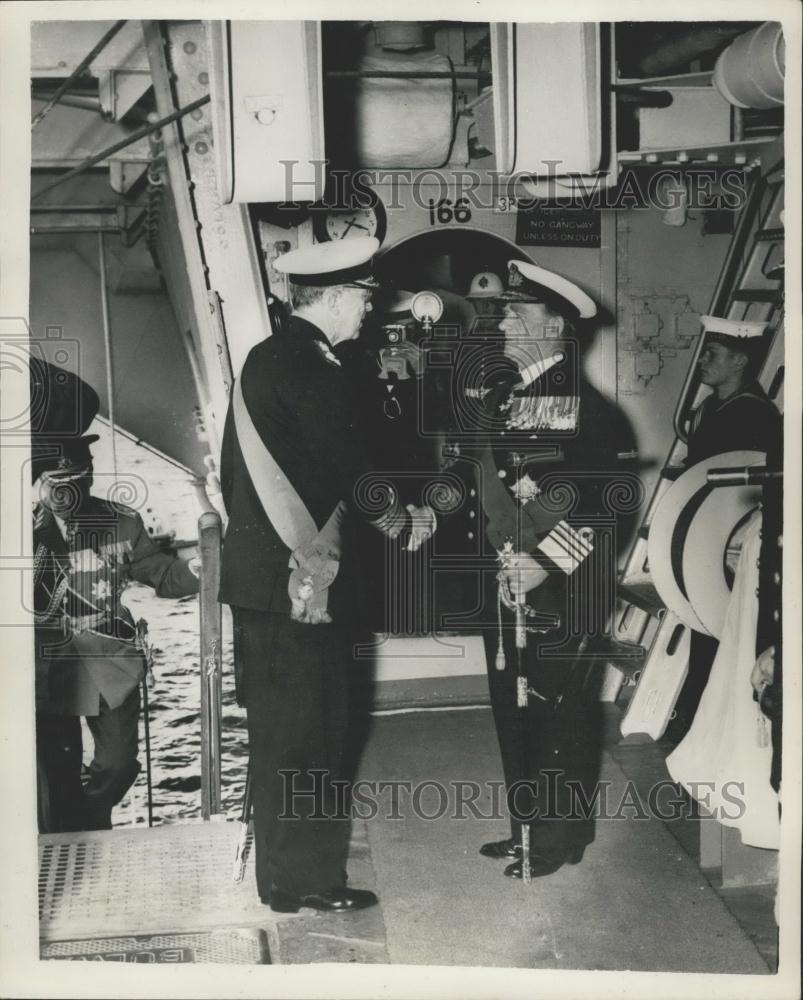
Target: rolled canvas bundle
403, 122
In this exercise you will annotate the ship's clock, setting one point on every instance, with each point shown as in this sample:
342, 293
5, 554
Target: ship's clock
345, 224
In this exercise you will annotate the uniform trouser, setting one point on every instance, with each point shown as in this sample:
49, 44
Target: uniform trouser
551, 750
58, 764
702, 652
295, 689
68, 804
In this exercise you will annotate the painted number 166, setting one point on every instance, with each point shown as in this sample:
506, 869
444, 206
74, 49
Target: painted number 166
443, 212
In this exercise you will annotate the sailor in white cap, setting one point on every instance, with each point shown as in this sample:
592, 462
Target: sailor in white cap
738, 414
293, 473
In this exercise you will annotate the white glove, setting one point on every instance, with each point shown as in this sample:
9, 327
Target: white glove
523, 573
424, 524
763, 672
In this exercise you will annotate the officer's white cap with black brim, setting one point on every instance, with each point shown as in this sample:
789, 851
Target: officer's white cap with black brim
531, 283
326, 265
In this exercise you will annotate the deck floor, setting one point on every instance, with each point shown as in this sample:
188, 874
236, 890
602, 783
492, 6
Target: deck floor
637, 901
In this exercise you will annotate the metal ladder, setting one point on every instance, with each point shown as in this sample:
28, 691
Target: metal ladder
750, 287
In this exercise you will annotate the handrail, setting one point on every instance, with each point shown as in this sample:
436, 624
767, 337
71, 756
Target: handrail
211, 662
129, 140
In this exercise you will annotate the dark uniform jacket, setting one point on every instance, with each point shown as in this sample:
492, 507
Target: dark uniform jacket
301, 404
84, 634
519, 483
745, 421
567, 468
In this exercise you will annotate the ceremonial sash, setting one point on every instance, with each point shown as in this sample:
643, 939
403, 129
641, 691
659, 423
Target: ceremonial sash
315, 555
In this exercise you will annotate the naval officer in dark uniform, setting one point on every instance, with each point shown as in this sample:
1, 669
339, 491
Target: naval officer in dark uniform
543, 478
294, 475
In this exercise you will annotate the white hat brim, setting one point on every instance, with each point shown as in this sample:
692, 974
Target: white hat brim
573, 294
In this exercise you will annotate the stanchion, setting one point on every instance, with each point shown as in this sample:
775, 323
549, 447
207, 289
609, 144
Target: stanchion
209, 541
148, 772
144, 645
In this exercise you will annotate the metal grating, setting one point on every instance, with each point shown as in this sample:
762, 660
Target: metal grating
243, 946
167, 895
174, 878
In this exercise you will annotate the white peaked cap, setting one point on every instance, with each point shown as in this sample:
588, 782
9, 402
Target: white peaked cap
342, 262
574, 295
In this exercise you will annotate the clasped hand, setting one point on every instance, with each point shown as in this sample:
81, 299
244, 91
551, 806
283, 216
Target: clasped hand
422, 527
763, 672
522, 573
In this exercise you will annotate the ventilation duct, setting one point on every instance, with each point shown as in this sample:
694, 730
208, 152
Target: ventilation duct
750, 72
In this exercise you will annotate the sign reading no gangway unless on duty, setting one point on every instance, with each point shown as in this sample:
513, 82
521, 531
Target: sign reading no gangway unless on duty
541, 226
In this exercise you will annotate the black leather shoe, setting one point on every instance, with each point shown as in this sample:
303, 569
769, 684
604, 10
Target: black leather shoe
545, 864
330, 901
501, 849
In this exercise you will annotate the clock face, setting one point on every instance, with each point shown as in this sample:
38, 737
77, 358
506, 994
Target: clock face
342, 224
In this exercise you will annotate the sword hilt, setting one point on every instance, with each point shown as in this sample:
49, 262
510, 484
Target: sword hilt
542, 621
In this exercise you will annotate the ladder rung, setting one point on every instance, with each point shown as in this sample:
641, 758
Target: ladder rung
758, 295
769, 235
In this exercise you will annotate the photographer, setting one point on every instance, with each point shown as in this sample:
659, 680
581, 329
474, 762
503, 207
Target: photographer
386, 370
385, 366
